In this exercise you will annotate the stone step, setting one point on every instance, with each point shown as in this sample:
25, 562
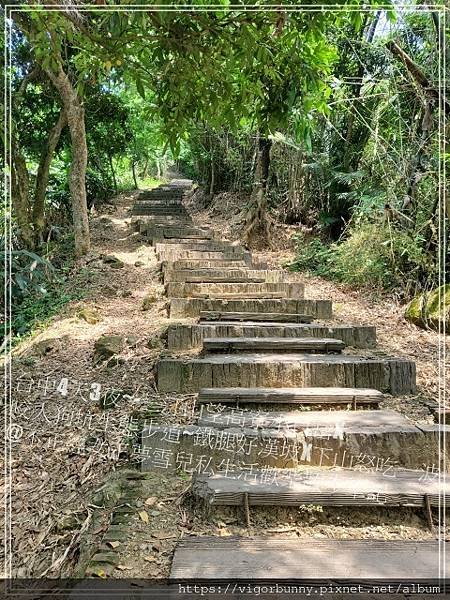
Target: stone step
224, 275
283, 289
309, 565
186, 337
314, 395
208, 449
189, 375
244, 344
257, 309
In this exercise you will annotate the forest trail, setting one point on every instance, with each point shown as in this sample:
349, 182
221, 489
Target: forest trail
263, 348
135, 533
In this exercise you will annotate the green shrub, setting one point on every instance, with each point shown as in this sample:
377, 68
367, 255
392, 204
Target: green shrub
373, 254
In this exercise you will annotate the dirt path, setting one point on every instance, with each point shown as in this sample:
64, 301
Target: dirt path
65, 444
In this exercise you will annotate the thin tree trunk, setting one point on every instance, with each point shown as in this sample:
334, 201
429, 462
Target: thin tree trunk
211, 178
133, 169
43, 175
113, 173
74, 110
257, 225
19, 193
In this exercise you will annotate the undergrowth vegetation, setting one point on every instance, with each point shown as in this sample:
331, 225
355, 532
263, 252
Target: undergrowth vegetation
372, 255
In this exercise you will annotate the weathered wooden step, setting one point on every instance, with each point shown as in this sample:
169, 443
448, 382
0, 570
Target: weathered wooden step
172, 220
248, 309
143, 212
284, 289
315, 395
161, 210
325, 487
321, 345
224, 275
393, 375
164, 255
308, 559
201, 263
141, 223
207, 245
213, 315
172, 232
323, 423
186, 337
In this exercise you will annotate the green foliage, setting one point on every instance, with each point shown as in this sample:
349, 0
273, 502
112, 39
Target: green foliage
373, 255
40, 285
30, 273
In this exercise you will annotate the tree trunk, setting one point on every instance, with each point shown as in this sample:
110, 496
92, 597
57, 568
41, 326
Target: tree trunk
43, 175
74, 110
113, 173
211, 178
19, 193
257, 228
133, 169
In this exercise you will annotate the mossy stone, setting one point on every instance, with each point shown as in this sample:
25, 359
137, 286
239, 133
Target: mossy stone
89, 315
431, 309
108, 346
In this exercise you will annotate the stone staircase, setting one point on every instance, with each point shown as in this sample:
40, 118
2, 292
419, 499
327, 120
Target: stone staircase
287, 412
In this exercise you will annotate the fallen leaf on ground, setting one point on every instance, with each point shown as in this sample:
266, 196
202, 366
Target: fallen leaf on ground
114, 544
144, 516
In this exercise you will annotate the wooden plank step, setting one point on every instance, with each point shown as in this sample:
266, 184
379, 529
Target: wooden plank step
149, 212
323, 422
172, 220
203, 255
212, 315
306, 395
322, 345
189, 375
282, 310
203, 245
175, 232
284, 289
270, 559
202, 263
276, 310
189, 336
325, 487
232, 275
